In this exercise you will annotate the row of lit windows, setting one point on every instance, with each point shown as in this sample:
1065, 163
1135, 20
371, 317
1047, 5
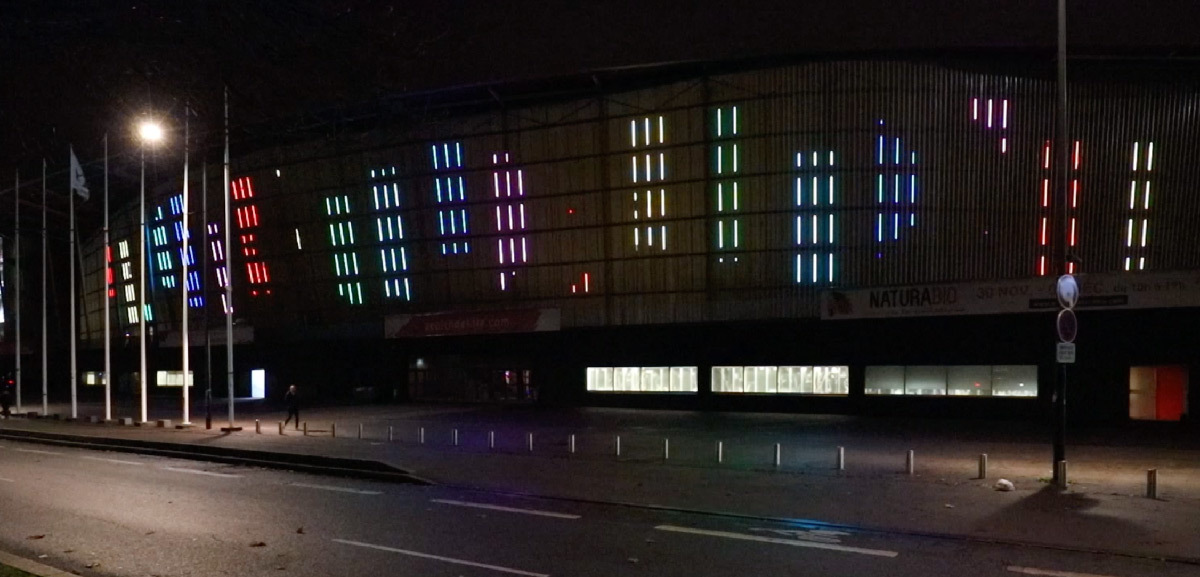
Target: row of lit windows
953, 380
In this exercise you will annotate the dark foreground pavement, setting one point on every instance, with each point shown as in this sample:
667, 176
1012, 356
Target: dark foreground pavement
1105, 508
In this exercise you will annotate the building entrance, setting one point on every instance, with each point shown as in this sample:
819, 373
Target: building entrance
1158, 393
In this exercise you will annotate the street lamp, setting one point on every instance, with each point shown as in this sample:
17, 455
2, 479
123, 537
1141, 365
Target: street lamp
150, 132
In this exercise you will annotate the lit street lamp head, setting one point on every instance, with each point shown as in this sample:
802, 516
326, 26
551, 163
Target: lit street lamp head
150, 131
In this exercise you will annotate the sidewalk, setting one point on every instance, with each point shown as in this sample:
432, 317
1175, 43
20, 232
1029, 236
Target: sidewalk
1104, 509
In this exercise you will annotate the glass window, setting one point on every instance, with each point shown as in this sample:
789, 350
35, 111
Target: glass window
654, 379
970, 380
1014, 381
627, 379
599, 379
925, 380
760, 380
727, 379
684, 379
795, 380
887, 380
831, 380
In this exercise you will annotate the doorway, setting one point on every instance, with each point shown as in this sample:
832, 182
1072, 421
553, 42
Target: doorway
1158, 393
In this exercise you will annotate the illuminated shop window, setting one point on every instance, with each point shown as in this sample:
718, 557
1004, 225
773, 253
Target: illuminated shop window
245, 208
642, 379
342, 238
648, 171
895, 187
451, 194
992, 115
953, 380
817, 228
726, 161
1045, 230
1137, 224
784, 380
389, 229
508, 185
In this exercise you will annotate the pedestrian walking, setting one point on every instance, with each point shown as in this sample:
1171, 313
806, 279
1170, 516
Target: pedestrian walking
291, 399
5, 401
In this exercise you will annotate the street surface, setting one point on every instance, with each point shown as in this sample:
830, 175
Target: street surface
121, 514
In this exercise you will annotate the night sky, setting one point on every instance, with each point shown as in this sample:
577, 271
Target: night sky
70, 71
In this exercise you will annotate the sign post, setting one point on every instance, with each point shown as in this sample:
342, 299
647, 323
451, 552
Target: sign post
1067, 325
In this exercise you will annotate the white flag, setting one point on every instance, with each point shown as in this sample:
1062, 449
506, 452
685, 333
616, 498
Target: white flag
78, 184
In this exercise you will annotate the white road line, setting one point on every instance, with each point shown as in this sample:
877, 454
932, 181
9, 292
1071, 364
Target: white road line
1049, 573
37, 451
440, 558
117, 461
7, 480
507, 509
792, 542
199, 472
338, 489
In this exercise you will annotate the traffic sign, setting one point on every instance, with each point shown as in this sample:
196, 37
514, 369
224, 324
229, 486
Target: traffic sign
1065, 353
1068, 326
1067, 290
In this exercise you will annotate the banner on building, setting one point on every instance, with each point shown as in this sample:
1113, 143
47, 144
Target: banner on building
1096, 291
472, 323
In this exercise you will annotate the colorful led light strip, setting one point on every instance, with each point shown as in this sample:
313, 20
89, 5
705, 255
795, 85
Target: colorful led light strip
649, 169
816, 218
389, 230
451, 196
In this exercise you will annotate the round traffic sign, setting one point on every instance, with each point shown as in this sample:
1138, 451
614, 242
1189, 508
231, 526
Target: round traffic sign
1068, 326
1067, 290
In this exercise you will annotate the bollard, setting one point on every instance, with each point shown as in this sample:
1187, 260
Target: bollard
257, 427
841, 459
1061, 471
305, 428
491, 439
666, 449
280, 427
333, 430
720, 452
983, 465
1151, 483
618, 443
571, 443
360, 431
455, 438
910, 462
778, 455
421, 436
389, 433
530, 437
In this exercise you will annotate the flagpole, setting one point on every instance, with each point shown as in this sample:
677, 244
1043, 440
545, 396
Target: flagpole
45, 381
17, 277
105, 298
142, 289
228, 274
183, 259
204, 293
71, 257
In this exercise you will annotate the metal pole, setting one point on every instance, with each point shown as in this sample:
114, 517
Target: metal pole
45, 326
142, 289
1151, 483
183, 264
104, 296
1060, 139
204, 304
71, 258
17, 279
228, 273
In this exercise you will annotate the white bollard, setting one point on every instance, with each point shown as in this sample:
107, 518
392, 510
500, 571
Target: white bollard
720, 452
333, 430
983, 465
360, 431
778, 455
257, 427
841, 458
390, 430
455, 438
666, 449
529, 436
421, 436
571, 443
1061, 469
909, 462
280, 427
1151, 483
618, 444
305, 428
491, 439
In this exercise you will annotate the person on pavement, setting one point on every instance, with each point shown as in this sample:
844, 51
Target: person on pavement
290, 398
5, 401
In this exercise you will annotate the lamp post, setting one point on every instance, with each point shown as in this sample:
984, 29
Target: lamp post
150, 132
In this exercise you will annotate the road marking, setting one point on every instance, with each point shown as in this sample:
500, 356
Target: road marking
440, 558
1049, 573
7, 480
117, 461
338, 489
506, 509
199, 472
37, 451
792, 542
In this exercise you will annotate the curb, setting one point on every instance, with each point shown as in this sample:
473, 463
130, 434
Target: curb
314, 464
32, 567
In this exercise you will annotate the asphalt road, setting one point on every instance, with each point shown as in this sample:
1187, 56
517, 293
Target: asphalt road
99, 513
